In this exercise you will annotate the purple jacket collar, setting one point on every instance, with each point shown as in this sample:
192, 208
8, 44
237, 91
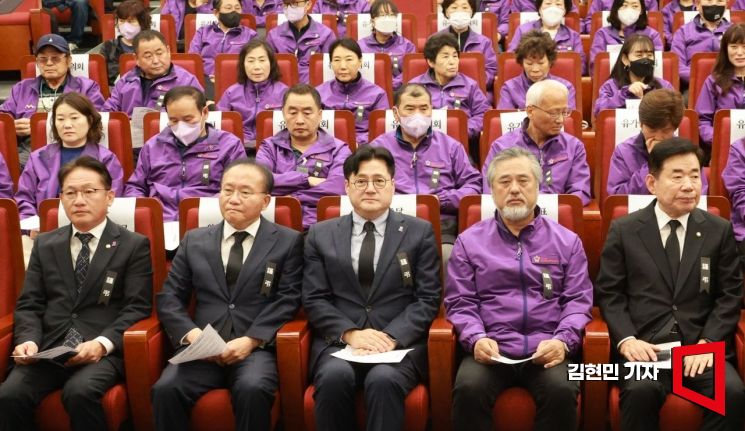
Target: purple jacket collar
531, 227
388, 43
324, 143
348, 87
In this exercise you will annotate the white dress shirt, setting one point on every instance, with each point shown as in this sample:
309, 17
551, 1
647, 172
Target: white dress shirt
228, 240
358, 235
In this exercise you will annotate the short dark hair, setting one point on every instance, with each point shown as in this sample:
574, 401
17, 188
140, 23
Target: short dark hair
147, 35
659, 108
536, 44
380, 6
251, 161
348, 43
614, 22
436, 42
136, 9
177, 93
568, 5
83, 105
301, 89
620, 71
446, 4
85, 162
672, 147
412, 88
366, 153
258, 42
217, 4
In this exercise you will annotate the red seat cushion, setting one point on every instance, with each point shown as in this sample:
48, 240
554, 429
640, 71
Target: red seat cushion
51, 414
515, 410
214, 412
677, 414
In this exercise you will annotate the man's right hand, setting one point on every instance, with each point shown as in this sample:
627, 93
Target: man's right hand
192, 335
314, 181
637, 89
484, 349
23, 126
637, 350
369, 339
26, 349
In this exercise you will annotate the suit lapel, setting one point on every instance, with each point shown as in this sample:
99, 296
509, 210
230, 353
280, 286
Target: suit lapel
342, 238
649, 234
265, 239
100, 260
64, 258
691, 247
214, 256
394, 233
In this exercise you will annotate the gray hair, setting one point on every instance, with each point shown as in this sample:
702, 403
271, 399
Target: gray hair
535, 93
514, 153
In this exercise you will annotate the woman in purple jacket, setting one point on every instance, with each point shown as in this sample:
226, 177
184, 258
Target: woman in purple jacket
258, 87
77, 130
384, 38
349, 91
626, 18
724, 88
632, 76
180, 8
342, 9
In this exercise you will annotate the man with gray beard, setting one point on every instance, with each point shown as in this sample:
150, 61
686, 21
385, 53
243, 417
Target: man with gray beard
517, 287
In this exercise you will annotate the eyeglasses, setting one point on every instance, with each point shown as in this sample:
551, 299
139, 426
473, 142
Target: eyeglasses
55, 59
378, 183
564, 113
242, 194
88, 194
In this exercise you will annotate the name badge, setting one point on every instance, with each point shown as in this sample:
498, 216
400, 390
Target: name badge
160, 100
548, 287
456, 104
302, 169
705, 282
406, 276
266, 285
434, 180
317, 167
547, 178
359, 113
108, 287
395, 65
205, 173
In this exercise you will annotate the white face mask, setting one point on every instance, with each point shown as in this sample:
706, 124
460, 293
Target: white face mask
128, 30
385, 24
187, 133
628, 16
460, 20
415, 125
294, 14
552, 16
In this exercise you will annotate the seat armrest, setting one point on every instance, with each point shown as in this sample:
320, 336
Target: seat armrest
144, 360
293, 351
595, 350
740, 345
441, 348
6, 343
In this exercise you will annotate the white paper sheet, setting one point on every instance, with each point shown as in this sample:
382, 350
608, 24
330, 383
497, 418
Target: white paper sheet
136, 124
171, 234
661, 365
49, 353
31, 223
392, 357
506, 360
207, 345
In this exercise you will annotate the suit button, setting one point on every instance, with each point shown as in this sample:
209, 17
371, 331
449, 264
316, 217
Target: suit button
231, 306
74, 315
675, 308
368, 309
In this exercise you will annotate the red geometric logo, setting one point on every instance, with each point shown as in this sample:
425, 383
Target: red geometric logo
717, 348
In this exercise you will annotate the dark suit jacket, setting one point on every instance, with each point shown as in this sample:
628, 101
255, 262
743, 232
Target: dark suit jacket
47, 307
198, 270
634, 287
332, 295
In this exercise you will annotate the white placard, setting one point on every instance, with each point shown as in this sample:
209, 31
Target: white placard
268, 212
171, 235
614, 52
526, 17
637, 202
204, 19
390, 121
214, 118
487, 207
155, 22
627, 124
512, 120
404, 204
736, 125
121, 212
633, 104
604, 18
476, 22
367, 68
439, 120
548, 202
104, 142
278, 122
282, 18
365, 25
209, 212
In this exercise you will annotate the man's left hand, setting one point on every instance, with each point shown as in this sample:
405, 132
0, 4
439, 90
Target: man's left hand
88, 353
695, 365
237, 350
550, 353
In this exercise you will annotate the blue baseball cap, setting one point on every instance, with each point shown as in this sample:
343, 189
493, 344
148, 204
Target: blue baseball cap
55, 41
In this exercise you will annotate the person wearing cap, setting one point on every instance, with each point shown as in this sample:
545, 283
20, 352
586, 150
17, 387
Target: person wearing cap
145, 85
384, 38
306, 161
187, 158
427, 160
562, 156
451, 89
300, 35
660, 114
348, 90
260, 9
38, 94
178, 9
703, 34
80, 11
537, 310
342, 9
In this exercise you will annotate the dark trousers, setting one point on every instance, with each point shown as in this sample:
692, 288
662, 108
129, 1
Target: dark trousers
477, 387
385, 388
252, 383
80, 11
82, 389
641, 400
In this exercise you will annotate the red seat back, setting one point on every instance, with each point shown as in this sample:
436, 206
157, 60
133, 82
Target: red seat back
9, 148
471, 64
382, 68
702, 64
343, 127
193, 63
457, 125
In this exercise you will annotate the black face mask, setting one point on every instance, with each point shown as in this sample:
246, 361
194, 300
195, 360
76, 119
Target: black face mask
712, 13
643, 68
230, 20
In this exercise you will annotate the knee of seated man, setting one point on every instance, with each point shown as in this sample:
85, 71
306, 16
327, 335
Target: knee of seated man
382, 376
642, 390
75, 392
335, 374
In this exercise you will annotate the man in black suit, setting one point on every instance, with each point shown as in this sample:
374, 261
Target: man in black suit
671, 272
245, 276
86, 283
371, 282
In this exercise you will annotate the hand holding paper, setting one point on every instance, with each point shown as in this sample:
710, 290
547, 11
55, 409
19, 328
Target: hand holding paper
208, 344
391, 357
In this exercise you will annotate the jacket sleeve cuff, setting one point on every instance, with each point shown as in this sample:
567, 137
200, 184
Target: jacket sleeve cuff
106, 343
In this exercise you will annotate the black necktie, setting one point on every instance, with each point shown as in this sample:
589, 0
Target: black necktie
672, 249
366, 270
235, 260
83, 260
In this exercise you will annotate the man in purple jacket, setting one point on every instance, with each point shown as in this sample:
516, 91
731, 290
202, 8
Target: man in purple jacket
146, 84
703, 34
660, 113
307, 162
561, 155
300, 35
537, 310
428, 161
260, 9
38, 94
187, 158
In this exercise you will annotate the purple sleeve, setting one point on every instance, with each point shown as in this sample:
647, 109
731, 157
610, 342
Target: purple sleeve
113, 103
652, 5
117, 174
503, 26
621, 179
505, 98
490, 63
467, 181
195, 47
334, 184
579, 177
461, 300
515, 39
656, 39
607, 98
9, 105
93, 92
733, 178
285, 183
576, 300
678, 46
26, 194
194, 82
479, 106
706, 106
137, 184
